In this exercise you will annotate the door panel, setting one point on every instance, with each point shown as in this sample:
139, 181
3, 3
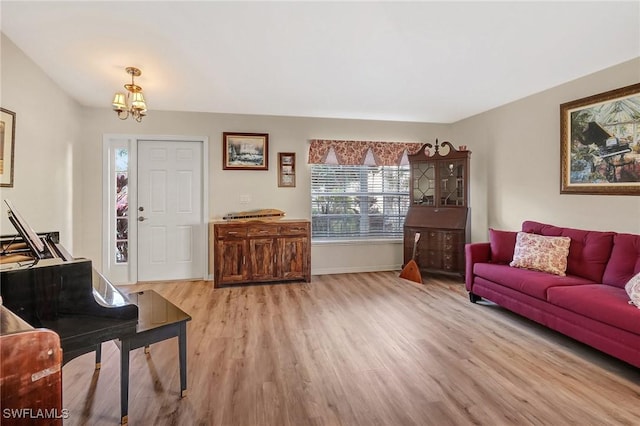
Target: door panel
293, 257
263, 266
170, 210
231, 261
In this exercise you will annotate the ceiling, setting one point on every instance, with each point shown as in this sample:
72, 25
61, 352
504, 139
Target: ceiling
414, 61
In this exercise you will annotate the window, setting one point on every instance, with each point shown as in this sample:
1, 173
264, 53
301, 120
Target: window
358, 202
122, 205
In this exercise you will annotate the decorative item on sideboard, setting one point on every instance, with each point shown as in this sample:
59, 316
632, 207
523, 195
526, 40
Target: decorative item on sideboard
257, 215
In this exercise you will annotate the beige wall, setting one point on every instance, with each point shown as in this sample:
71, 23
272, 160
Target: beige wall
47, 169
515, 163
286, 134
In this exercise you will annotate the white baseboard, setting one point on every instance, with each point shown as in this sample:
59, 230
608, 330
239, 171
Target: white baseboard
351, 270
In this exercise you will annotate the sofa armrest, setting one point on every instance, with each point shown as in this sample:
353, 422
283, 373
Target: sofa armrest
475, 253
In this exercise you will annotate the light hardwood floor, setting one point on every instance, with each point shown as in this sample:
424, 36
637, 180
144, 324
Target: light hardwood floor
355, 349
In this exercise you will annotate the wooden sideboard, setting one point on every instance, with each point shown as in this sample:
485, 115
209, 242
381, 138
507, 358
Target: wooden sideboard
253, 251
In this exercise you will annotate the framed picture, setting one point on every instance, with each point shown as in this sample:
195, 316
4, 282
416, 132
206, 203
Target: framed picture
600, 143
287, 169
7, 146
245, 151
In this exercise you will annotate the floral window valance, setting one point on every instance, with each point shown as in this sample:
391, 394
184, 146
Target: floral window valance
354, 153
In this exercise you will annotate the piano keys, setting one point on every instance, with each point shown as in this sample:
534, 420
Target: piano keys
613, 147
608, 145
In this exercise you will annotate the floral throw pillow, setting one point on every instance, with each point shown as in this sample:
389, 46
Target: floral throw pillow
541, 253
633, 290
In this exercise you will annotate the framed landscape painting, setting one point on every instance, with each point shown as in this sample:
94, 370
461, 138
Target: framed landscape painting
600, 143
245, 151
7, 146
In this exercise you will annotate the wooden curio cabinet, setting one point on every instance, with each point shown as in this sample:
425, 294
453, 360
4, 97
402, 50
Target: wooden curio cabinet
261, 251
439, 209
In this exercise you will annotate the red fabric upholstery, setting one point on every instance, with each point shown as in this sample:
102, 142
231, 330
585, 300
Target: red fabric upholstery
589, 250
474, 253
502, 245
611, 307
614, 341
532, 283
625, 260
589, 304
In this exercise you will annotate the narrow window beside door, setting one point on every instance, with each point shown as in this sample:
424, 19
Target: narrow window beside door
122, 205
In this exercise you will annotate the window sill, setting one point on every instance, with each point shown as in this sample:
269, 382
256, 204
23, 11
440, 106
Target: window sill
356, 242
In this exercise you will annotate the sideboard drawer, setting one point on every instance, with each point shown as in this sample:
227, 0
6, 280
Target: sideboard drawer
224, 232
294, 230
262, 231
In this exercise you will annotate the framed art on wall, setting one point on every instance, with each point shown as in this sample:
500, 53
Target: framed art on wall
245, 151
7, 146
287, 169
600, 143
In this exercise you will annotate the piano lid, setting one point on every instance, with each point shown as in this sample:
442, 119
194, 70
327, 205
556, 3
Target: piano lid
28, 244
595, 134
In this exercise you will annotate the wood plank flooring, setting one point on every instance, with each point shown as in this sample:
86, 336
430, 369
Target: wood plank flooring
355, 349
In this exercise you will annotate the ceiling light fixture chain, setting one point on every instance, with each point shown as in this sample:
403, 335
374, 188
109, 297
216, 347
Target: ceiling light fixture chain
132, 103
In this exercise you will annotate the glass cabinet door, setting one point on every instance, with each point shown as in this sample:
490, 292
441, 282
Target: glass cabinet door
452, 190
424, 183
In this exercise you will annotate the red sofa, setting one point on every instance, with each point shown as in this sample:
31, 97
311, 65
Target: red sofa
589, 304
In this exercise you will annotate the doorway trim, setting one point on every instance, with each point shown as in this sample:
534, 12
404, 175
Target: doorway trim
127, 272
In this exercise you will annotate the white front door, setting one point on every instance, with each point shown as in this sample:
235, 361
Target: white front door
171, 229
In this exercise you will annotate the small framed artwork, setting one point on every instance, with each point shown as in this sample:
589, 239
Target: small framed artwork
7, 146
245, 151
600, 143
287, 169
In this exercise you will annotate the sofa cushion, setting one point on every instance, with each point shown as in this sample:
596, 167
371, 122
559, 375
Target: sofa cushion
612, 307
625, 260
633, 290
532, 283
502, 245
589, 250
541, 253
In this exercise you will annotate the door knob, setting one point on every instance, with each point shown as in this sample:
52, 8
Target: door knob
141, 209
141, 219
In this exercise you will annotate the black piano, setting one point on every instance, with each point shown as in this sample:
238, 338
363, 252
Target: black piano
608, 145
70, 298
47, 288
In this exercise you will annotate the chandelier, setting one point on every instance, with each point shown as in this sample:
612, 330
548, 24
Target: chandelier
132, 103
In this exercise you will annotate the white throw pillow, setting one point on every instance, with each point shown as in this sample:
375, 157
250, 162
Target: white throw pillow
541, 253
633, 290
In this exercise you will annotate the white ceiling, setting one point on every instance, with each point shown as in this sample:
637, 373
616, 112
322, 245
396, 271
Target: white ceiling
414, 61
